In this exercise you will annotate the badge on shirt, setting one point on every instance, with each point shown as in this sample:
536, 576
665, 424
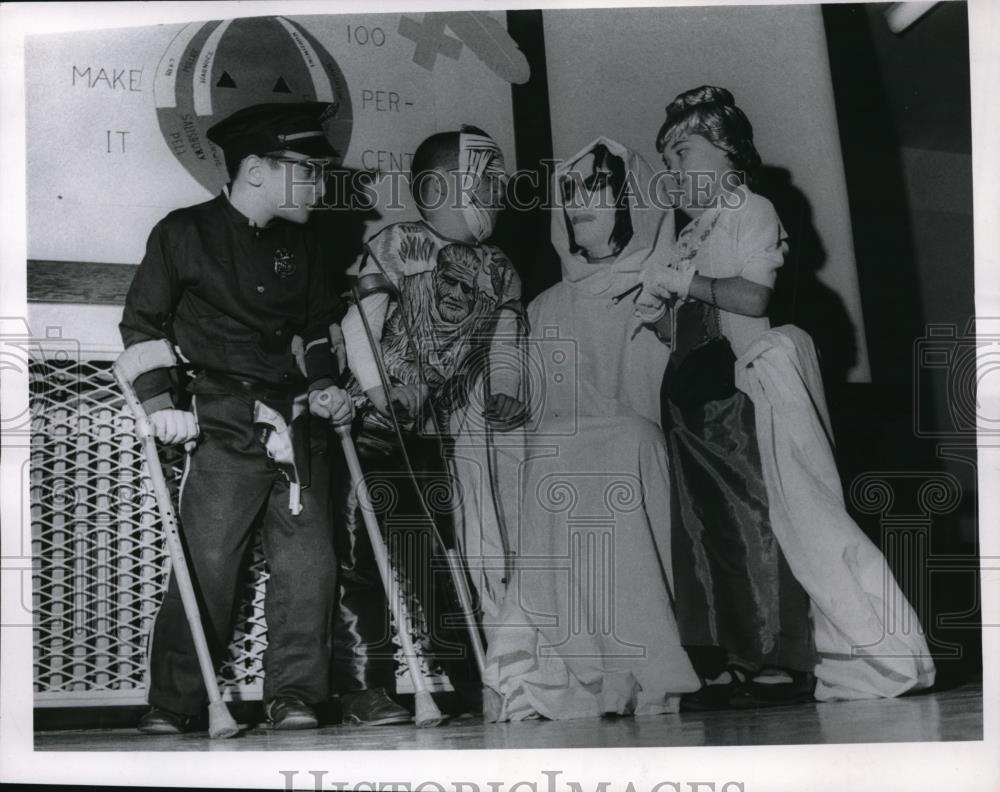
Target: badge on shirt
284, 263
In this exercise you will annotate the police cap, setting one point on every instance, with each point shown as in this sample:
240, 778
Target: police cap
280, 126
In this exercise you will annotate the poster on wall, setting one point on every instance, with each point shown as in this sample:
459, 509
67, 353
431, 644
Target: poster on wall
117, 119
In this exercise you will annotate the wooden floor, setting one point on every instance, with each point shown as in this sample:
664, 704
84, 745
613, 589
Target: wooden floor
949, 715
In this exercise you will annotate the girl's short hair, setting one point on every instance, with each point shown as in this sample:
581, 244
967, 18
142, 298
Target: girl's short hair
712, 113
621, 233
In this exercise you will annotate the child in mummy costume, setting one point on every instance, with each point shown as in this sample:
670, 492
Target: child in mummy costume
429, 348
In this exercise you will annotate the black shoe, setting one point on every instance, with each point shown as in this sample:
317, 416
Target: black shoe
161, 721
718, 695
286, 713
757, 694
372, 708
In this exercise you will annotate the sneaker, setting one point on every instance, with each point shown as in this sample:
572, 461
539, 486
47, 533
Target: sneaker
162, 721
372, 708
286, 713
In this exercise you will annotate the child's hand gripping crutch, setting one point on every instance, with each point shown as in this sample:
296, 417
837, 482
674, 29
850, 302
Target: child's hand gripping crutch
426, 712
133, 362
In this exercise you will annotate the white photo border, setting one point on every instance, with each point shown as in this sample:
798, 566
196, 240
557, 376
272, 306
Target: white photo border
882, 766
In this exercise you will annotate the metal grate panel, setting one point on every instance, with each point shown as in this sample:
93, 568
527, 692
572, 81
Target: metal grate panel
99, 563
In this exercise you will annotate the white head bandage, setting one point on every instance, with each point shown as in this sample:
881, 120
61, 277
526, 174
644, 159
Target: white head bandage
479, 160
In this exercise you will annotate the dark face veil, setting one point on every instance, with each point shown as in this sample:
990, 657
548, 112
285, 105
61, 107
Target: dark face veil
644, 225
606, 170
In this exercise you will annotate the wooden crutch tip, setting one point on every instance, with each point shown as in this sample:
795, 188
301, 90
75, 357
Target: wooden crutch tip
426, 712
220, 722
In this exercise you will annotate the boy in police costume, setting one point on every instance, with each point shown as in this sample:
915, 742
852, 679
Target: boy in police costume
230, 282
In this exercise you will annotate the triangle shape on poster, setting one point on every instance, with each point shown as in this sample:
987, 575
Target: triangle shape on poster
281, 86
225, 81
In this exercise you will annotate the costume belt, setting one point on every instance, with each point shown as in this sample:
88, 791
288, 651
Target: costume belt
276, 395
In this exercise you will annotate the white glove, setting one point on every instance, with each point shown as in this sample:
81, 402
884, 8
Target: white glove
665, 281
649, 308
659, 283
174, 426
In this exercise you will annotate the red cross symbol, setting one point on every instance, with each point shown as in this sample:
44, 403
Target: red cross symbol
430, 38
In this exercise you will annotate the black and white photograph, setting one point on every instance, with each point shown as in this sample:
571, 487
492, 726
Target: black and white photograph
500, 396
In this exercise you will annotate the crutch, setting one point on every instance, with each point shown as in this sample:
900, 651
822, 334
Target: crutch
456, 563
426, 712
492, 456
369, 284
133, 362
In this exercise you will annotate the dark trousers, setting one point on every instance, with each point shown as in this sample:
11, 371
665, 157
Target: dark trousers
231, 487
363, 646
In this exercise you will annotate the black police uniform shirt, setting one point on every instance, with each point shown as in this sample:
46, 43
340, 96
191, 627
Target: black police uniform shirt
231, 296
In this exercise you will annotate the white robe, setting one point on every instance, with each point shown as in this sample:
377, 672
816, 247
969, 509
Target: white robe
587, 625
868, 638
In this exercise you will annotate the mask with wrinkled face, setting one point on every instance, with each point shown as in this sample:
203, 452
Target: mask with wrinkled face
455, 282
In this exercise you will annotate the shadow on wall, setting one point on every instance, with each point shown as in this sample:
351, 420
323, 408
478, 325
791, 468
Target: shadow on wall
880, 211
349, 218
800, 297
525, 236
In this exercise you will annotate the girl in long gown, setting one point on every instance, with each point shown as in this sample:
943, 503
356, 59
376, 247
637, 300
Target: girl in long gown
773, 580
587, 625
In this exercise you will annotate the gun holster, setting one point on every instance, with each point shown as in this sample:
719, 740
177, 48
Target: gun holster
287, 444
